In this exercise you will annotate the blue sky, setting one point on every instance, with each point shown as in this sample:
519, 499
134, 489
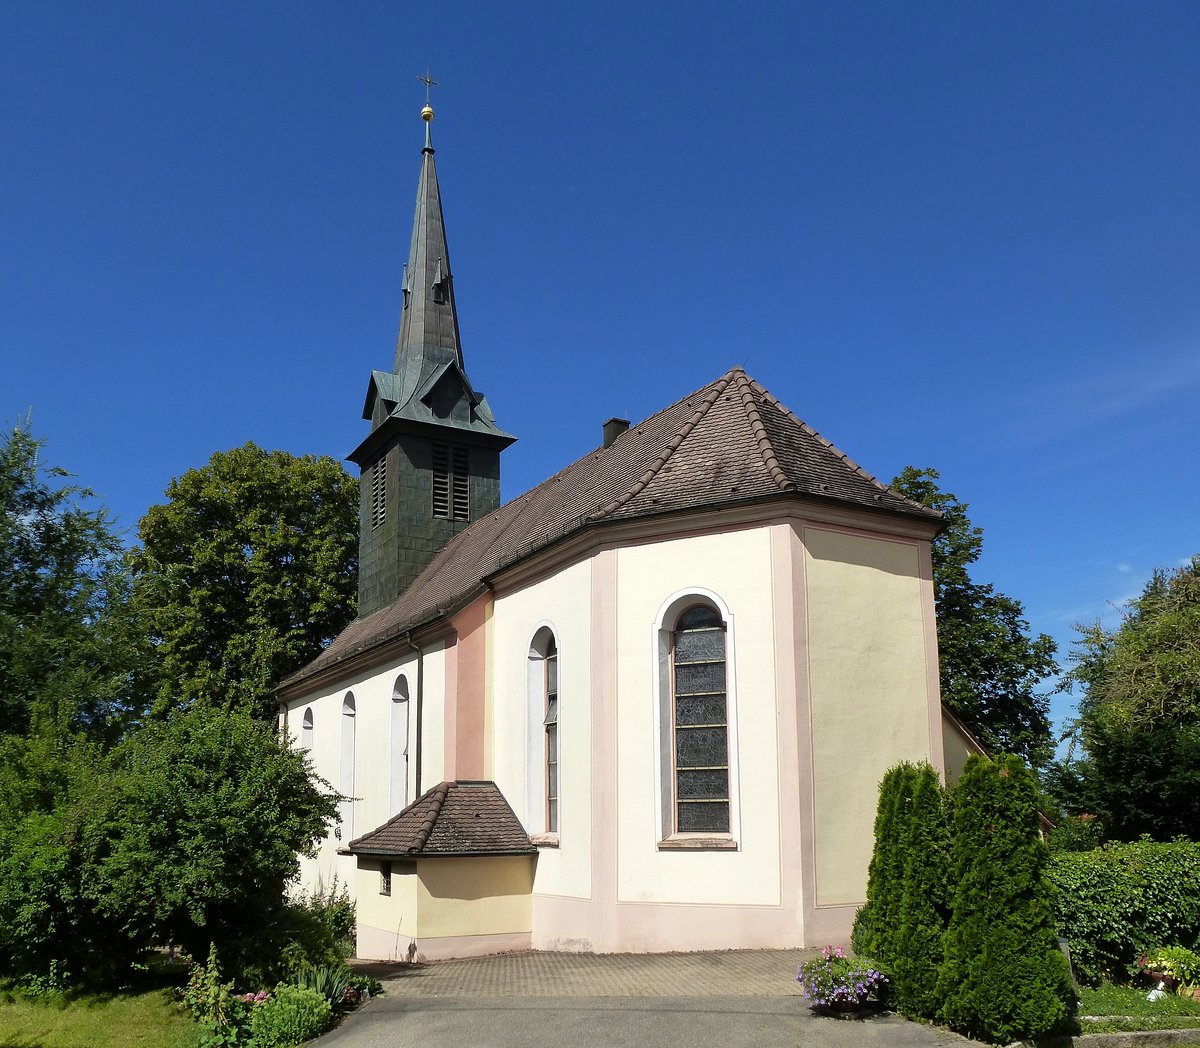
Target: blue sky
963, 236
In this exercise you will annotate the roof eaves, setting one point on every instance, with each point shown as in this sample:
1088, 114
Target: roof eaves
839, 453
396, 853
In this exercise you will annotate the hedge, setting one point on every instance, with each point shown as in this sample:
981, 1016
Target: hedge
1121, 900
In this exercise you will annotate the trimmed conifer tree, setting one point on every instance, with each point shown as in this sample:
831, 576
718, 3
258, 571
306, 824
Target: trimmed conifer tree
875, 924
1003, 977
924, 910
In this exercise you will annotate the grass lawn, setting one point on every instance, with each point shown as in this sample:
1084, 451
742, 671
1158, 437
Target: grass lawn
138, 1019
1110, 1009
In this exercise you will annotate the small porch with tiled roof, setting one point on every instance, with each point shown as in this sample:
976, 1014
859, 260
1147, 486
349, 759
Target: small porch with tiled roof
449, 876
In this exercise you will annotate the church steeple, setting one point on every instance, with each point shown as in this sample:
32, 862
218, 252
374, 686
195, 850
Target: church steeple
429, 323
431, 464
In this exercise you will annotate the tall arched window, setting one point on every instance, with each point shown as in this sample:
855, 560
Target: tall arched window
346, 780
306, 731
399, 747
550, 695
543, 746
699, 722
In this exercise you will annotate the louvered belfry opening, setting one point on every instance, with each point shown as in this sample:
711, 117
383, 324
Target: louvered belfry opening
451, 482
379, 492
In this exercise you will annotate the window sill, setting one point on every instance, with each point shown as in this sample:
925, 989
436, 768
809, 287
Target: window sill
697, 842
544, 840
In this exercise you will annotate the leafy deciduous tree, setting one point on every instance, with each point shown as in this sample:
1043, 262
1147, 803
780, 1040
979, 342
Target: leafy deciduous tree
68, 643
245, 573
1139, 715
990, 665
187, 831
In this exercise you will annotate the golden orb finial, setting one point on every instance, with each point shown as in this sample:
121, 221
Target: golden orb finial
427, 113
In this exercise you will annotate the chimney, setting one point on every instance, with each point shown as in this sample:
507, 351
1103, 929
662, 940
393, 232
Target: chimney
613, 428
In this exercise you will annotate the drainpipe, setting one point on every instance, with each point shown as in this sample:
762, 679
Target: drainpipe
420, 709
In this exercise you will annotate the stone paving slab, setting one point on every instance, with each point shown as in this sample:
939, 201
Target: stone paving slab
622, 1022
734, 999
732, 973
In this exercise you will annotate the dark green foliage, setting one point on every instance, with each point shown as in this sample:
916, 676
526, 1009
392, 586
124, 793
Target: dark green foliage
295, 938
68, 644
1140, 714
292, 1015
196, 833
186, 832
1075, 833
924, 907
1143, 781
245, 574
48, 785
989, 663
1121, 900
1003, 977
334, 911
876, 924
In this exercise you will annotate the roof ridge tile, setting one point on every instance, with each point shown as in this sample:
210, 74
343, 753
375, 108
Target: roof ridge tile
774, 401
661, 460
437, 797
761, 437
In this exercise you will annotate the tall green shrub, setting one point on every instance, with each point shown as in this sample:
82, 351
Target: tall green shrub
875, 924
1003, 977
924, 910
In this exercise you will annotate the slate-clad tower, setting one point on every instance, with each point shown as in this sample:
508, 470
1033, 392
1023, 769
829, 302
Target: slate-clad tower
431, 464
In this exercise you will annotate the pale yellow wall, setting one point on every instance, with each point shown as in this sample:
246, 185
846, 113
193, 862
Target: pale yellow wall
563, 603
957, 748
395, 914
373, 738
869, 692
736, 566
474, 896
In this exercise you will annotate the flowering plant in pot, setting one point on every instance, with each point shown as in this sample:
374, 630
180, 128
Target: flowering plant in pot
836, 982
1174, 967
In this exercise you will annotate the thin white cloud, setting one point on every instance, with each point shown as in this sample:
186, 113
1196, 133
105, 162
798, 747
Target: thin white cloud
1054, 410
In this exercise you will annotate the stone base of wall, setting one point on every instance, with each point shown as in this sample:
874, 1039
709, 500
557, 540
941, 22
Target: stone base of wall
581, 926
376, 944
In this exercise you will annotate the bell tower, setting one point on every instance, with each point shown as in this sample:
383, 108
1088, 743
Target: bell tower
431, 463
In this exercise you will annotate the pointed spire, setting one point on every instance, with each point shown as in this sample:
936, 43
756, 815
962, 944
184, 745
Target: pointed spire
428, 335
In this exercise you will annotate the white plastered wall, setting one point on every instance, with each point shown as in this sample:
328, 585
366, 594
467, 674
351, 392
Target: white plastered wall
735, 568
561, 602
373, 758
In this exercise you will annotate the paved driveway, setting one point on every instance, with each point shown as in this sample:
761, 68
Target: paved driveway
736, 999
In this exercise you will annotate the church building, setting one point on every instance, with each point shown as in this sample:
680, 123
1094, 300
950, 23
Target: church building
644, 706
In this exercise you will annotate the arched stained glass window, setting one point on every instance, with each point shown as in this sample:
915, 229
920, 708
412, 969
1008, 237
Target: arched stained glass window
700, 722
550, 693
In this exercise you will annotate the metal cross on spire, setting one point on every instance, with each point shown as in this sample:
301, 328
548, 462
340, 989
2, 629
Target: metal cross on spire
429, 82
